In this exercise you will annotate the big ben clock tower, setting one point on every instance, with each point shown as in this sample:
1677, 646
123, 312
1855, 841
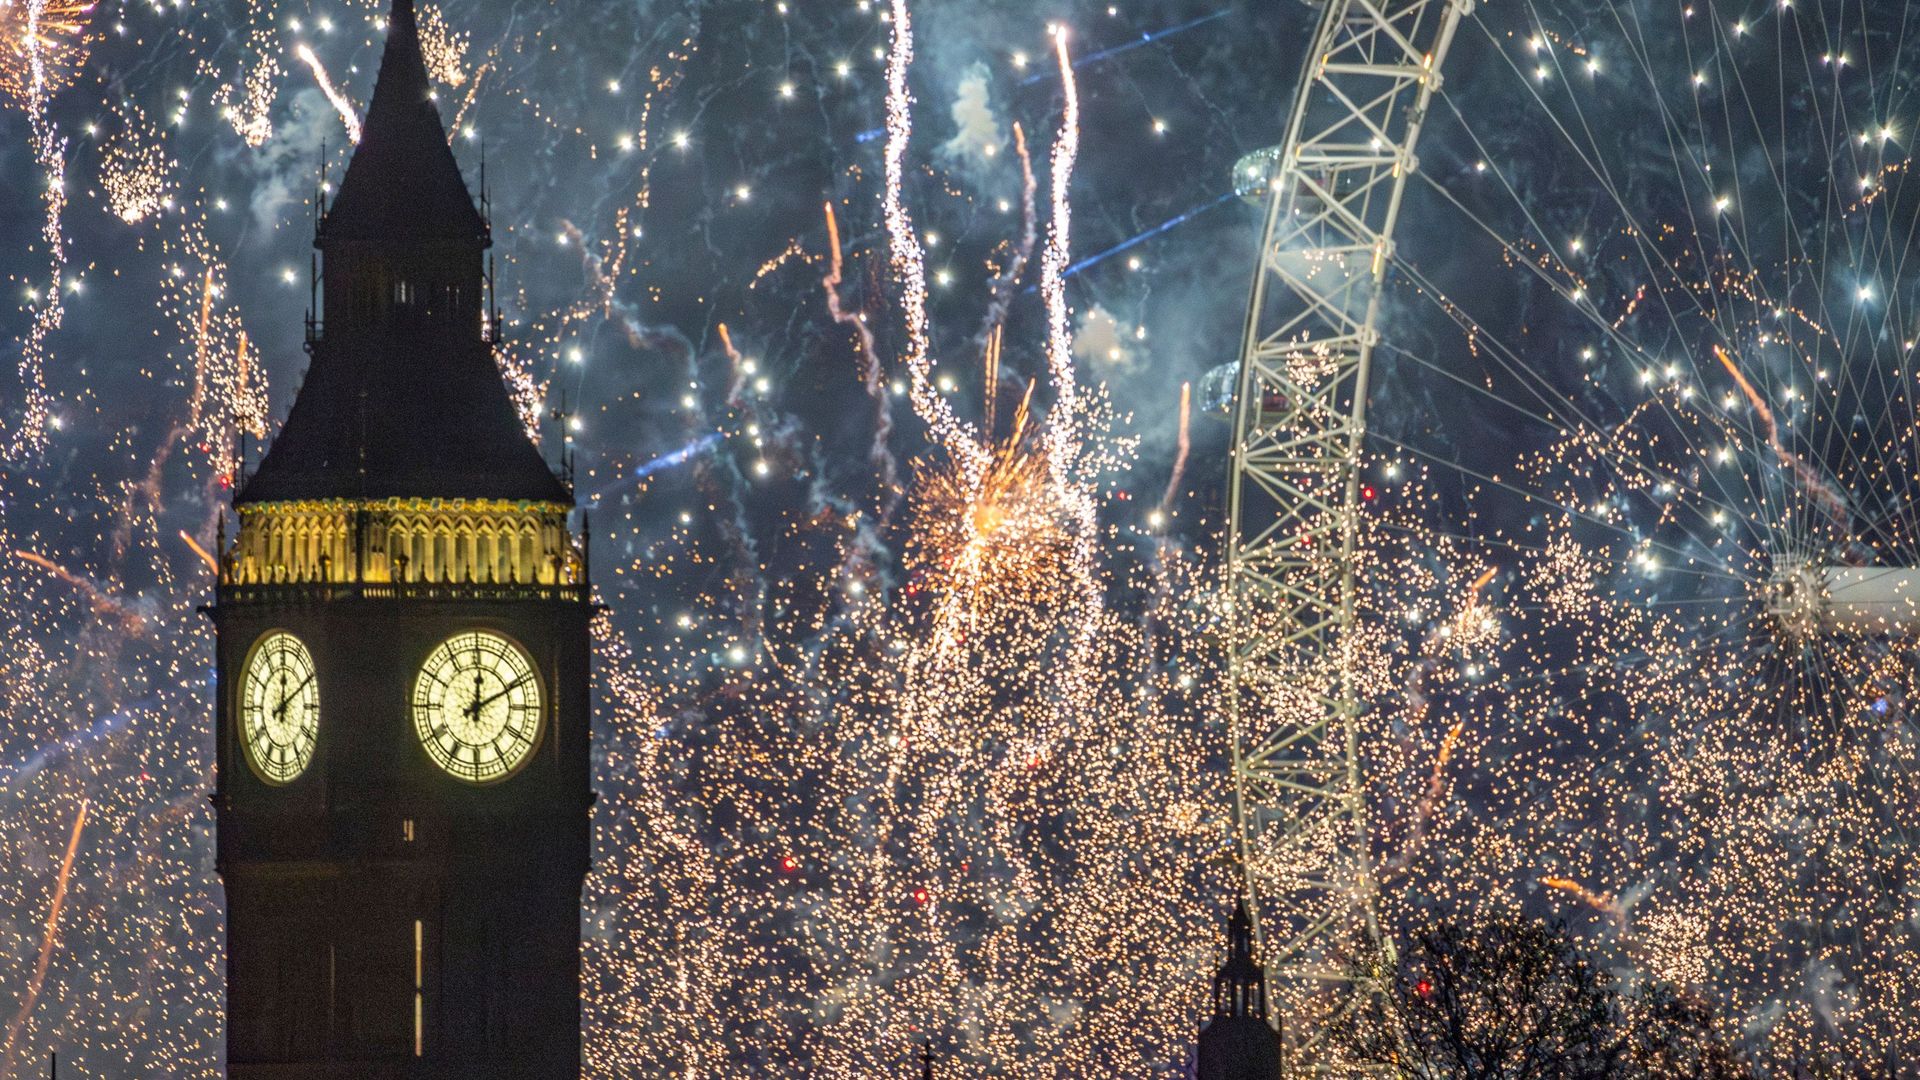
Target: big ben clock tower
403, 666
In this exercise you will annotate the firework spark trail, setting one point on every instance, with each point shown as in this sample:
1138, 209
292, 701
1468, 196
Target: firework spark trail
227, 398
50, 153
150, 491
739, 368
1063, 430
341, 104
1003, 289
467, 100
1830, 500
252, 120
1419, 699
97, 598
880, 451
1601, 902
199, 398
206, 556
602, 280
133, 167
750, 582
1184, 445
1062, 440
908, 261
970, 459
47, 941
865, 551
1147, 37
1429, 799
1163, 583
443, 48
990, 381
249, 409
793, 250
247, 103
43, 47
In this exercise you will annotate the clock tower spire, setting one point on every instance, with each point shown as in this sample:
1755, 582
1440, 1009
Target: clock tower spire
403, 663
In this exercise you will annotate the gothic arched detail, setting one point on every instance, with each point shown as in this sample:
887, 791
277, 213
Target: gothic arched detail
403, 542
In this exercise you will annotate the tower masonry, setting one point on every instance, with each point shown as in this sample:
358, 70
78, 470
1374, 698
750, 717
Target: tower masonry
403, 665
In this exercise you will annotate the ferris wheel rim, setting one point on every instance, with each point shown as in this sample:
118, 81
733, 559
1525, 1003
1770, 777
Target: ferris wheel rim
1312, 166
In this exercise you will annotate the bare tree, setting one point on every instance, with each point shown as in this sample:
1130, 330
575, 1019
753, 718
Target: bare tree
1514, 999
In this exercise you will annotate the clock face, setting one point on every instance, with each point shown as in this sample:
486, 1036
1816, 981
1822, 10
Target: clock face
279, 708
476, 706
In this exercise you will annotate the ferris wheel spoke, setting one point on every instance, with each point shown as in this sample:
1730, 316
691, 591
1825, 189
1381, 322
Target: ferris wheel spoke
1587, 311
1654, 260
1542, 388
1759, 298
1537, 549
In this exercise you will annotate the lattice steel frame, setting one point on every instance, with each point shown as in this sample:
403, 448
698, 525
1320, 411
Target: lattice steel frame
1299, 421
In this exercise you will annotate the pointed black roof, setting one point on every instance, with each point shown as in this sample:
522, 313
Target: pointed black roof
403, 397
403, 180
383, 421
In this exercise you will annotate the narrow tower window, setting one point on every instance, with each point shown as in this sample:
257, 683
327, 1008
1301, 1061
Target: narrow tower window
419, 973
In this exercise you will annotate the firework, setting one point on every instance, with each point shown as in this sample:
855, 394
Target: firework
881, 763
47, 939
43, 44
444, 48
133, 170
1679, 713
349, 115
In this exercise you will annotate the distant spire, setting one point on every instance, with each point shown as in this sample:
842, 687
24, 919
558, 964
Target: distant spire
926, 1061
1240, 989
1240, 933
1239, 1043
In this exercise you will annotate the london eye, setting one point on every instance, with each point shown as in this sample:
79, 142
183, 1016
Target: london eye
1572, 472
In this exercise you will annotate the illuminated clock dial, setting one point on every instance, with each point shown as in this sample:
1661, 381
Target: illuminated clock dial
279, 708
476, 706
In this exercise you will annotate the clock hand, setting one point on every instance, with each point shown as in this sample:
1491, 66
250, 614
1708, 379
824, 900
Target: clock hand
473, 707
483, 703
288, 696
